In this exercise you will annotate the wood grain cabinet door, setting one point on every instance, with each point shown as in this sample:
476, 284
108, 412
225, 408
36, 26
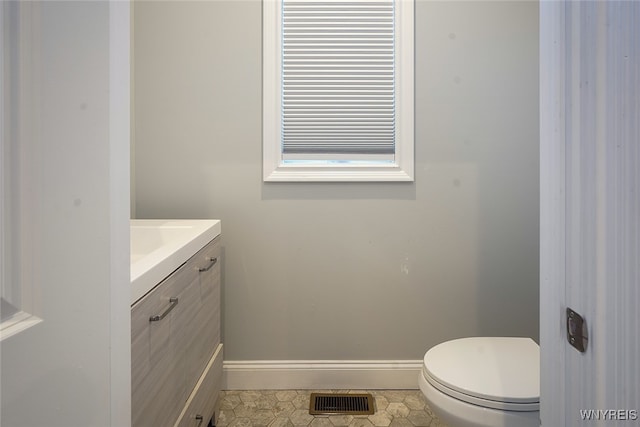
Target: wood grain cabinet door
158, 348
205, 326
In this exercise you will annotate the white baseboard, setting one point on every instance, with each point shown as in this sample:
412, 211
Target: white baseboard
321, 374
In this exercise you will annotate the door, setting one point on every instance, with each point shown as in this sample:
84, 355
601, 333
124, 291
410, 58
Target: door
65, 214
590, 211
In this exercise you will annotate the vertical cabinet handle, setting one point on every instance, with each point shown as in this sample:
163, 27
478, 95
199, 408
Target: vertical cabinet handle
212, 262
172, 303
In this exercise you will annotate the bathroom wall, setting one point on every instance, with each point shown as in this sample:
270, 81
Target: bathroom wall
342, 271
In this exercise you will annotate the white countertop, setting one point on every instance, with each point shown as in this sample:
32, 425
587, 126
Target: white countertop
158, 247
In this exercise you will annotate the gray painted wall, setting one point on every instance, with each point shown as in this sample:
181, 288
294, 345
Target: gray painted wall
351, 271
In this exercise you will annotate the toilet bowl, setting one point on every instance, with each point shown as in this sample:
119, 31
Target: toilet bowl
483, 382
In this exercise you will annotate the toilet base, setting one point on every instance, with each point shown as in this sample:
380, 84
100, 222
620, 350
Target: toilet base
456, 413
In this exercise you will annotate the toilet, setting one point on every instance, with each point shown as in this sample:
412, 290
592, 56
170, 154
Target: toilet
483, 382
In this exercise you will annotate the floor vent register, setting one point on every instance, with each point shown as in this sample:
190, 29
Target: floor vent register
341, 403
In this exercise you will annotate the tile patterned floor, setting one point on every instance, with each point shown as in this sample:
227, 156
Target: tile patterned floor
290, 408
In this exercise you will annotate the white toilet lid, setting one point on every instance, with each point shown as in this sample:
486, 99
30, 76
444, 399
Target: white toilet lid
495, 369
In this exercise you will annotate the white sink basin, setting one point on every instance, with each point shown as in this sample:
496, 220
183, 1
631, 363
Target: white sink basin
158, 247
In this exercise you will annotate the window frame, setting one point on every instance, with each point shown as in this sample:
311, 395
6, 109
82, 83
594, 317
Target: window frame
276, 170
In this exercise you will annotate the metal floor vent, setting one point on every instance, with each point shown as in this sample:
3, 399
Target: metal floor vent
341, 403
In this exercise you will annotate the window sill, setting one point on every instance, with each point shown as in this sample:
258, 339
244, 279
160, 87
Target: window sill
337, 174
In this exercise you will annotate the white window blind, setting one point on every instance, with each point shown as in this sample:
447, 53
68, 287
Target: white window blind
338, 80
338, 90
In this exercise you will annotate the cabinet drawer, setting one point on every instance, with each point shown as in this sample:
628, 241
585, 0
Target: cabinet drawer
201, 404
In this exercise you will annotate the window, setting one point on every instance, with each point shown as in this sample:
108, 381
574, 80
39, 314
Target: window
338, 90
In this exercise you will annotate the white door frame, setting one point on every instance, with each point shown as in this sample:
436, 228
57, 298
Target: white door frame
69, 193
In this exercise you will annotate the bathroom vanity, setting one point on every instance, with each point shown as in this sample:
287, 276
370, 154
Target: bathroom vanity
176, 353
